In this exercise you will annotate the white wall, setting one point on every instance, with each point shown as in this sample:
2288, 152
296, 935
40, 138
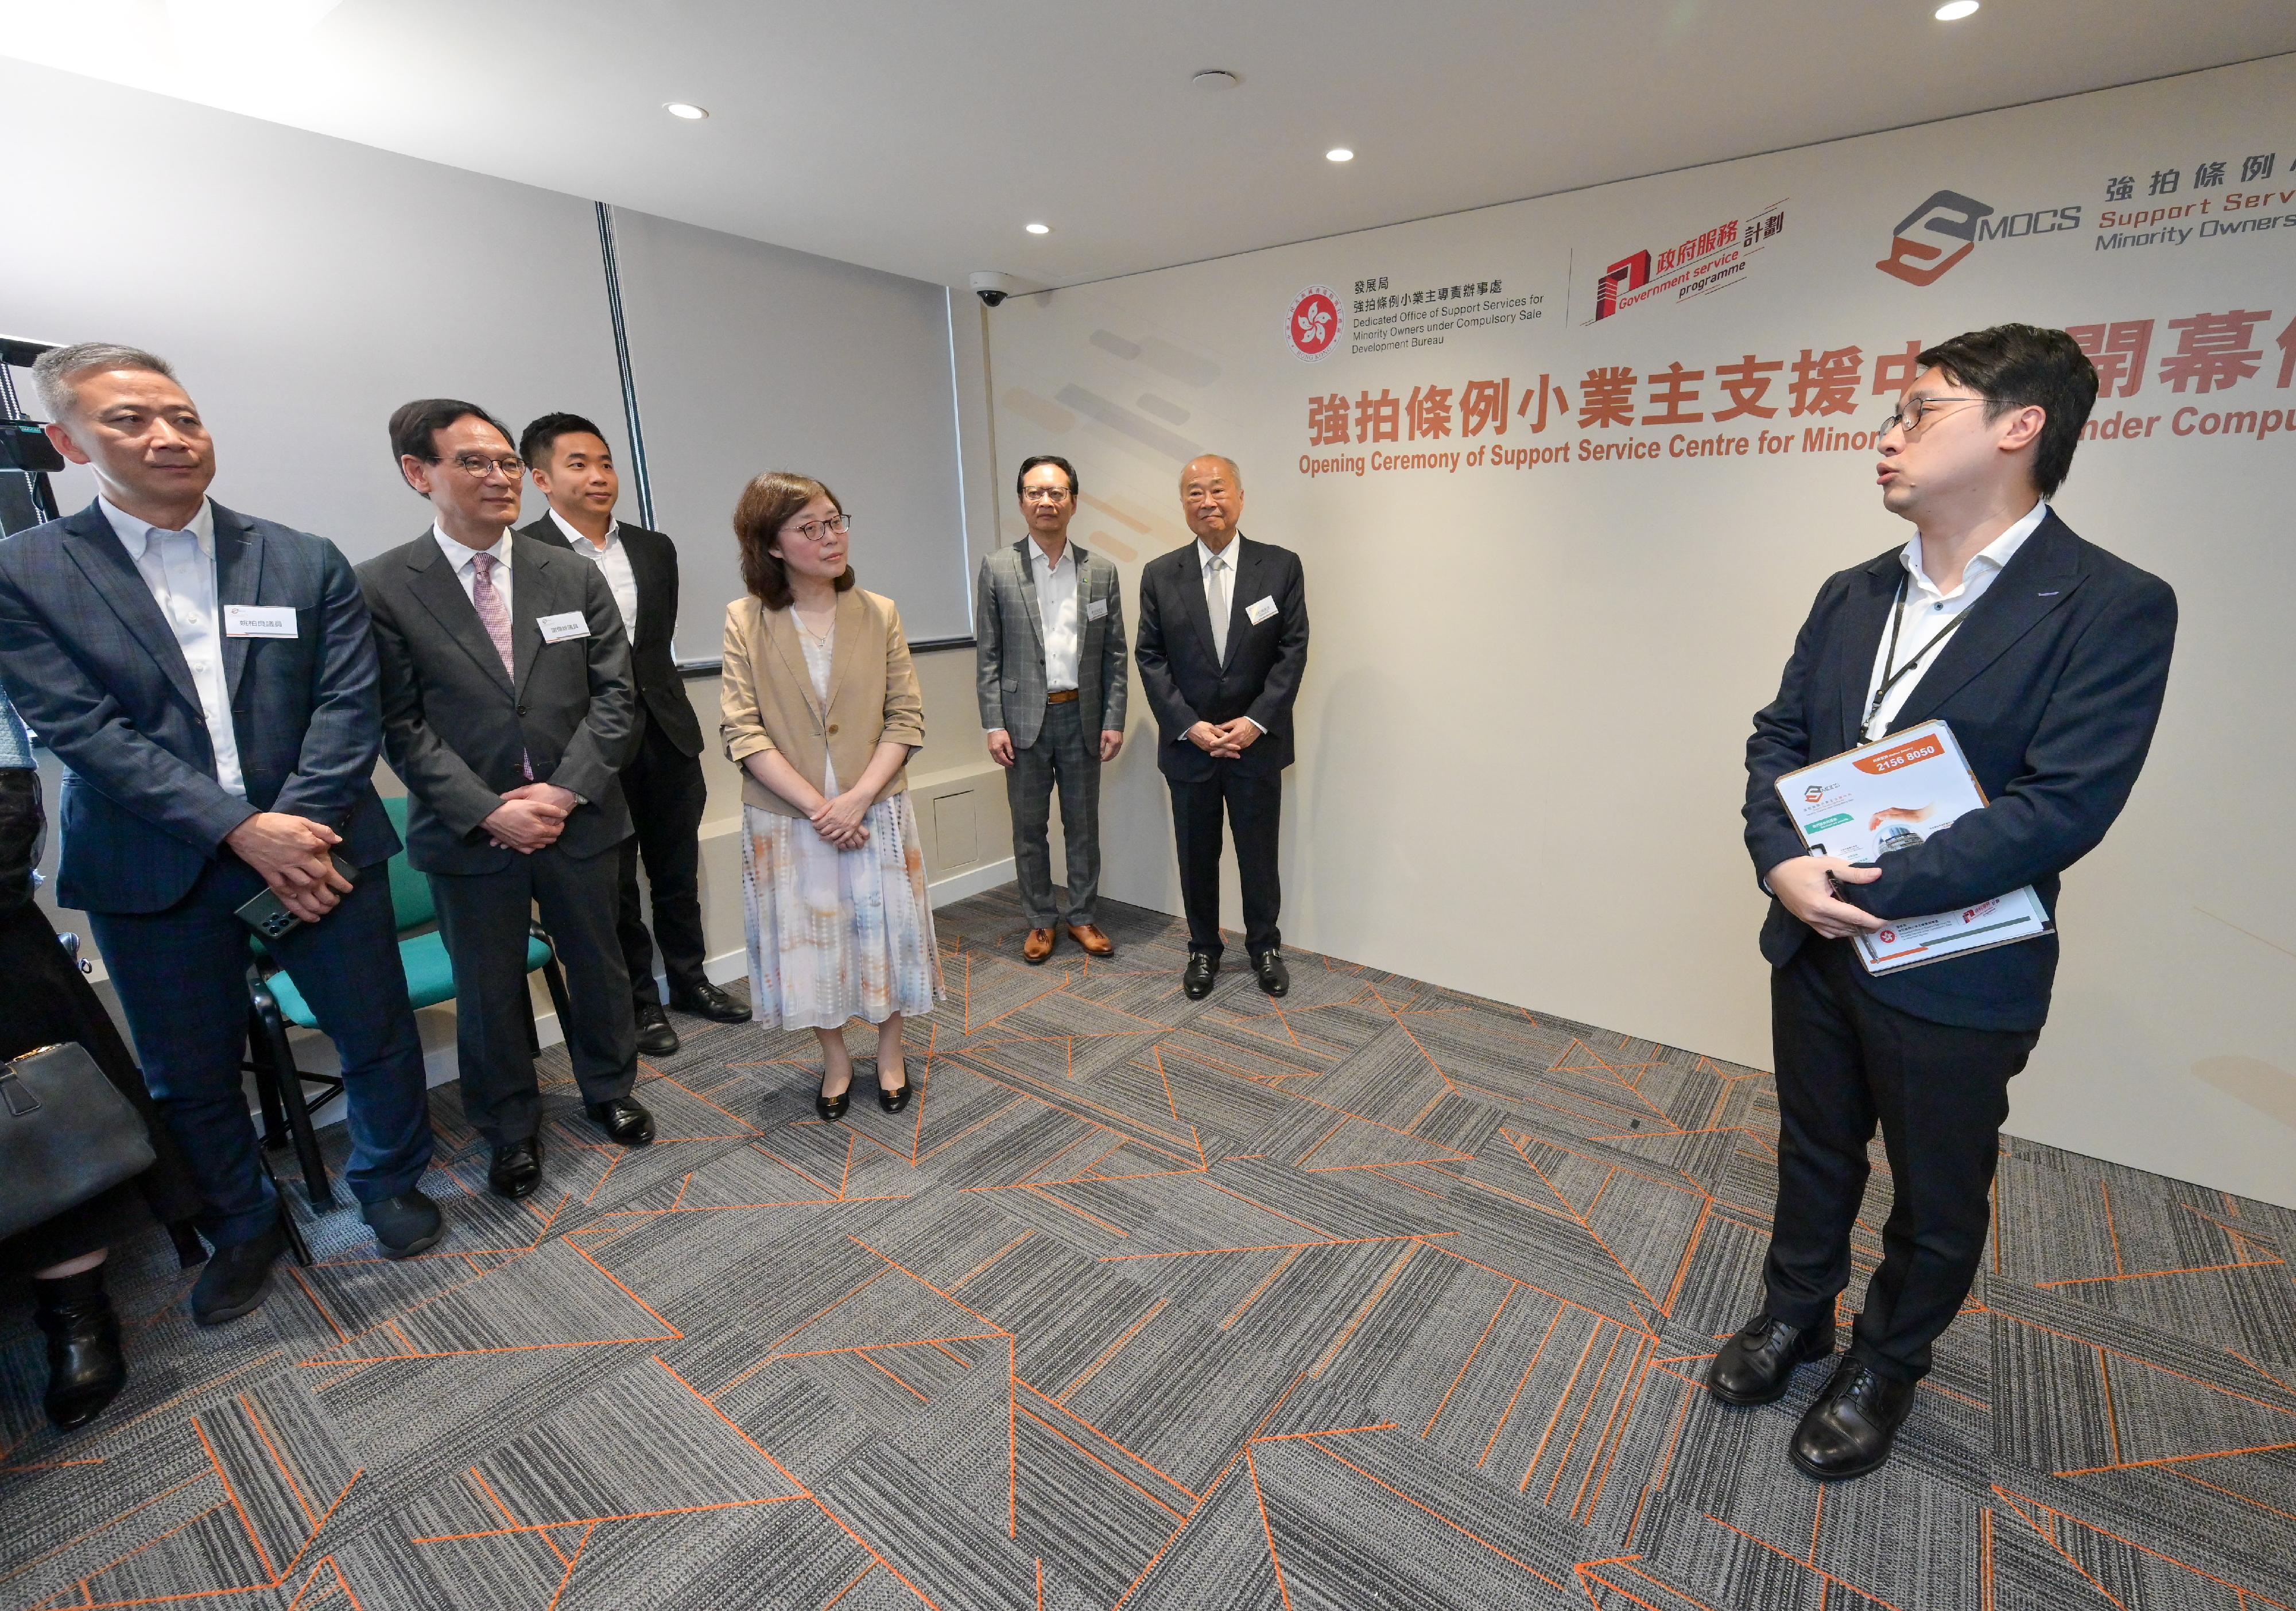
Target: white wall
305, 286
1522, 727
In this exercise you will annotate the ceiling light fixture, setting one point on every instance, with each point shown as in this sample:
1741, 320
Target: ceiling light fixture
1040, 229
1339, 153
1953, 11
1214, 80
685, 109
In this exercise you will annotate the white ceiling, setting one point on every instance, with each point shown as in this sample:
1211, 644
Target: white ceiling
919, 135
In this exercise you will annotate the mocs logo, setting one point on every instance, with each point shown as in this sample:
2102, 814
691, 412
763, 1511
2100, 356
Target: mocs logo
1943, 230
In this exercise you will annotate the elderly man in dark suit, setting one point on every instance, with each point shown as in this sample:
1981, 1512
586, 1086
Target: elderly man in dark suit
1050, 667
574, 469
209, 682
508, 710
1223, 643
2048, 657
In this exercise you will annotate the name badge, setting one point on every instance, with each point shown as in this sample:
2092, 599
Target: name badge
1260, 611
259, 621
1094, 611
559, 628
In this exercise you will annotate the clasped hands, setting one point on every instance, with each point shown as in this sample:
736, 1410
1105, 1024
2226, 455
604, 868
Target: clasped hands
530, 817
842, 822
293, 855
1223, 740
1805, 887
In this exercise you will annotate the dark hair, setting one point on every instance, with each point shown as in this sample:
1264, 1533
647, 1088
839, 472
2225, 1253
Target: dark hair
2024, 366
538, 440
415, 427
1021, 481
766, 503
53, 370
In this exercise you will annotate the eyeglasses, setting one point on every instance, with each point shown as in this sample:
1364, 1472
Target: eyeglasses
1910, 414
814, 531
1044, 494
477, 465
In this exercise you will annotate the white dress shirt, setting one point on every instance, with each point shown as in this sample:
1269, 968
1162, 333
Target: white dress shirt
614, 559
179, 567
1925, 613
1219, 593
1056, 608
465, 562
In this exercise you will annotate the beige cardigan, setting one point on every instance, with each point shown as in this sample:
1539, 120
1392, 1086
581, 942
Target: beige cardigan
766, 700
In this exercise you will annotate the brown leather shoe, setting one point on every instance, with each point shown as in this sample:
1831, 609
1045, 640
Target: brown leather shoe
1094, 943
1037, 947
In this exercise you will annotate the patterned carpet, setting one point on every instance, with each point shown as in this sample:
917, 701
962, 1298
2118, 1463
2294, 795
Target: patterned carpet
1391, 1297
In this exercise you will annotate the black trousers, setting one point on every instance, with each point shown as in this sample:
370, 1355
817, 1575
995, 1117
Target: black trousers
483, 918
1845, 1062
1255, 808
666, 795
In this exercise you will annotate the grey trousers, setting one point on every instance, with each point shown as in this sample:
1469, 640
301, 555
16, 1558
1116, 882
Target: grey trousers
1065, 753
483, 917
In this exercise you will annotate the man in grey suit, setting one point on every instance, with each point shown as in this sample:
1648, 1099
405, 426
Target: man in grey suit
508, 710
1050, 627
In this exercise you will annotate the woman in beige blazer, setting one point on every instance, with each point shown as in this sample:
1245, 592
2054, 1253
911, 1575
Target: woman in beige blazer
821, 712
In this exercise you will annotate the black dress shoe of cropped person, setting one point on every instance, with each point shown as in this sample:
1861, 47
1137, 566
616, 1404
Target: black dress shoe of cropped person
1757, 1366
517, 1168
232, 1283
624, 1120
656, 1038
404, 1225
1203, 967
832, 1108
897, 1097
708, 1002
1274, 977
1848, 1431
86, 1368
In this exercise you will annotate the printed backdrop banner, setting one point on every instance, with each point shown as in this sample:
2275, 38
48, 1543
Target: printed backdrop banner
1566, 474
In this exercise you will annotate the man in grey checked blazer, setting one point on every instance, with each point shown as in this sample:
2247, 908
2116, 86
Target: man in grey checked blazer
1050, 626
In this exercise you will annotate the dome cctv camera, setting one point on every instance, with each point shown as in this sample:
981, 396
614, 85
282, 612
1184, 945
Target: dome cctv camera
992, 287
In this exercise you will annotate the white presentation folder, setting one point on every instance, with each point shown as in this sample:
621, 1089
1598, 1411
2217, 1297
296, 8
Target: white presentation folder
1889, 796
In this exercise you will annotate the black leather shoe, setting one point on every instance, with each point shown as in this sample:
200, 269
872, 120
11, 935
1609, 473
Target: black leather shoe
1849, 1430
833, 1108
404, 1225
86, 1368
517, 1168
708, 1002
656, 1038
624, 1119
234, 1282
1203, 967
897, 1097
1757, 1366
1274, 977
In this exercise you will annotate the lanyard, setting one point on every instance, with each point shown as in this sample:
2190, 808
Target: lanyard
1895, 674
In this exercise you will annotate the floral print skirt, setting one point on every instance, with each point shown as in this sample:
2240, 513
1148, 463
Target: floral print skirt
838, 934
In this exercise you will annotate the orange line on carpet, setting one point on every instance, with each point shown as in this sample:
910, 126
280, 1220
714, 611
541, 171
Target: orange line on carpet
1121, 1448
1103, 1464
87, 1597
1621, 1405
1526, 1370
1797, 1561
985, 1264
1369, 1303
627, 1293
271, 1449
581, 1544
1343, 1241
1112, 1350
1209, 1492
1555, 1420
231, 1493
1506, 1298
1438, 1514
2146, 1275
2112, 1420
1112, 1229
1274, 1559
516, 1525
545, 1528
1267, 1280
866, 1354
2106, 1192
2172, 1460
1264, 1209
850, 1584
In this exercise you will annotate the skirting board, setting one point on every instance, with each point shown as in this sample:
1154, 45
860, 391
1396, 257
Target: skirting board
438, 1064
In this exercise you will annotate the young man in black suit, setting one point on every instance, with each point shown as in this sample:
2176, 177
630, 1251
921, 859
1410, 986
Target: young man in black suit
574, 468
2048, 657
1223, 641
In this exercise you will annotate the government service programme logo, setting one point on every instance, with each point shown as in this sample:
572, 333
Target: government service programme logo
1312, 328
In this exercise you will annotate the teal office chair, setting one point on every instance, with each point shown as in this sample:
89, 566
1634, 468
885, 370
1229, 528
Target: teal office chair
274, 1002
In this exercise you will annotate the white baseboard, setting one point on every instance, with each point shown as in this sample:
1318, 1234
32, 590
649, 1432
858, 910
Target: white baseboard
958, 886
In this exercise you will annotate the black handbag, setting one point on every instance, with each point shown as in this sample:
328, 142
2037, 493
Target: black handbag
66, 1134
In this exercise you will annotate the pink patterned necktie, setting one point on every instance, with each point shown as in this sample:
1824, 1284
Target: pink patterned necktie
496, 616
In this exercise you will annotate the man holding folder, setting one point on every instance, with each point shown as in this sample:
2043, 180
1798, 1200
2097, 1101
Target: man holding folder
2047, 657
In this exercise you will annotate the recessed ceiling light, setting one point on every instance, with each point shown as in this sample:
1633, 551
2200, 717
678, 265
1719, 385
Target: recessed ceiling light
1214, 79
685, 109
1953, 11
1339, 153
1040, 229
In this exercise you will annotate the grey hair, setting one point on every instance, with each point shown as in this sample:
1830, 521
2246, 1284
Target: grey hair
1234, 471
52, 372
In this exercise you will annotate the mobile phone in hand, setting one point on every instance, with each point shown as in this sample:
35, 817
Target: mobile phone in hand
268, 914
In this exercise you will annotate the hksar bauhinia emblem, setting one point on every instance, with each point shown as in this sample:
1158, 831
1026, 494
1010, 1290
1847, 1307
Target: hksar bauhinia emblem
1313, 326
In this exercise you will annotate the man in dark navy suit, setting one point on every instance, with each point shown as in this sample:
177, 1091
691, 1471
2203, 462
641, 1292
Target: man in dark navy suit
1223, 642
208, 680
2048, 657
